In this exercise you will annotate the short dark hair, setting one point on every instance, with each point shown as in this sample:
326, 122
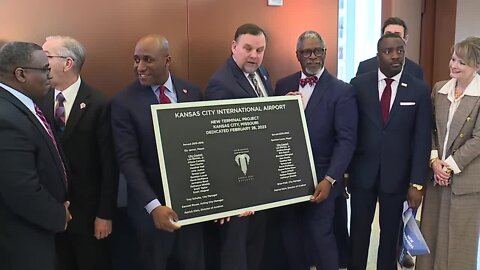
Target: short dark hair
388, 35
16, 54
395, 21
249, 28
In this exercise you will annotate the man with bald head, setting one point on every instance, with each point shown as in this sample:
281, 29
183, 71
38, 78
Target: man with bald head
163, 245
33, 181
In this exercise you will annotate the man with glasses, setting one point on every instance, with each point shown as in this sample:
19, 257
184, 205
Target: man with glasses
80, 117
331, 114
33, 181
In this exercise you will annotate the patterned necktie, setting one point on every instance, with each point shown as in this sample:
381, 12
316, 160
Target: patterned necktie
256, 87
162, 96
60, 113
40, 115
311, 80
385, 100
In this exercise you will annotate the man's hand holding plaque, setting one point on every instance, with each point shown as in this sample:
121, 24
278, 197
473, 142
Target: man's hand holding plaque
165, 219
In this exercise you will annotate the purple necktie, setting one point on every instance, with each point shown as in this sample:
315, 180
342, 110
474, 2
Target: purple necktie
40, 115
60, 113
385, 100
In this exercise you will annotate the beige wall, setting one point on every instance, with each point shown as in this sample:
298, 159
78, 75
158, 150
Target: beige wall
200, 32
467, 19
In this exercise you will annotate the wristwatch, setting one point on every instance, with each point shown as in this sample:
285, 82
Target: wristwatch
330, 179
417, 186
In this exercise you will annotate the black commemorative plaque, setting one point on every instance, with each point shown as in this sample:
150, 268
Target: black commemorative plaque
221, 158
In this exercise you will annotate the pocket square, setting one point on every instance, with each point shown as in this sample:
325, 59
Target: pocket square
407, 103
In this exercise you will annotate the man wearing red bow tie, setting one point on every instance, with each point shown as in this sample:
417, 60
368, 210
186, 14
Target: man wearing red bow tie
331, 113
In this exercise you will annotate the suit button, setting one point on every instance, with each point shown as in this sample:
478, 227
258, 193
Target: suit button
461, 135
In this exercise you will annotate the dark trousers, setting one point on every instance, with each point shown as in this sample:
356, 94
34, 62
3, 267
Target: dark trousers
340, 229
308, 234
82, 251
124, 246
242, 242
363, 203
162, 250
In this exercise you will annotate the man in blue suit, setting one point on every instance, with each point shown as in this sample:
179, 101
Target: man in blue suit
242, 76
134, 139
398, 26
391, 158
331, 113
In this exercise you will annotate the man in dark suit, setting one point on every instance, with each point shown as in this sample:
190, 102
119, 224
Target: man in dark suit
160, 246
80, 116
33, 180
242, 76
397, 26
391, 159
331, 114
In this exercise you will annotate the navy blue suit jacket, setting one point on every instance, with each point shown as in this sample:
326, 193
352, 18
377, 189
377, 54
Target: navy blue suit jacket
331, 115
371, 64
32, 189
397, 152
134, 138
229, 82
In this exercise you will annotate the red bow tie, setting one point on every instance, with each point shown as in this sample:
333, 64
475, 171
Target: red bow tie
310, 80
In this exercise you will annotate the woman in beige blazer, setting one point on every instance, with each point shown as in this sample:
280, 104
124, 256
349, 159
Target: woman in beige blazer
451, 209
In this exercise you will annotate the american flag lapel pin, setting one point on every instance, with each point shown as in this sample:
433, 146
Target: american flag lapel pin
185, 91
404, 84
82, 105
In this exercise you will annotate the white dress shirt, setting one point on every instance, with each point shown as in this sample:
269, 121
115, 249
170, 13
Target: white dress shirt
69, 94
307, 90
382, 83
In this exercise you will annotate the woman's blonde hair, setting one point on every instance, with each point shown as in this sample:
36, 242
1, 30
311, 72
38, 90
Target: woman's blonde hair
469, 50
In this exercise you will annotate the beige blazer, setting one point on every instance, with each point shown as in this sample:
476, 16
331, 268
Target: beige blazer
464, 138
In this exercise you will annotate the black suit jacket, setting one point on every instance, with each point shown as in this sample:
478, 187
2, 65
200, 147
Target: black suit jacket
410, 67
229, 82
88, 147
134, 139
32, 189
395, 153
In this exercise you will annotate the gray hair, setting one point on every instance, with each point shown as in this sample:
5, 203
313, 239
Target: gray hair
71, 48
307, 35
16, 54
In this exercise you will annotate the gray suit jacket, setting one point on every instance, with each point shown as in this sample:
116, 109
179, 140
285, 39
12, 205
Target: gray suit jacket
464, 137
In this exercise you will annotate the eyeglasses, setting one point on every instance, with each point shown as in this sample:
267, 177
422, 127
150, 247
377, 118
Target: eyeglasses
42, 69
57, 56
317, 51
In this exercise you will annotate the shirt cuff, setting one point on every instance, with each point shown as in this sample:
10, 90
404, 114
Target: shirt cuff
152, 205
453, 165
433, 154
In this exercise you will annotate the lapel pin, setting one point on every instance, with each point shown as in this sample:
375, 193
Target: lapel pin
468, 118
82, 106
185, 91
404, 84
265, 77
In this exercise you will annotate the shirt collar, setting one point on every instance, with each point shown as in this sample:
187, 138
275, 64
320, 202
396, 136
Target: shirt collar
396, 78
28, 102
473, 88
70, 92
168, 84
